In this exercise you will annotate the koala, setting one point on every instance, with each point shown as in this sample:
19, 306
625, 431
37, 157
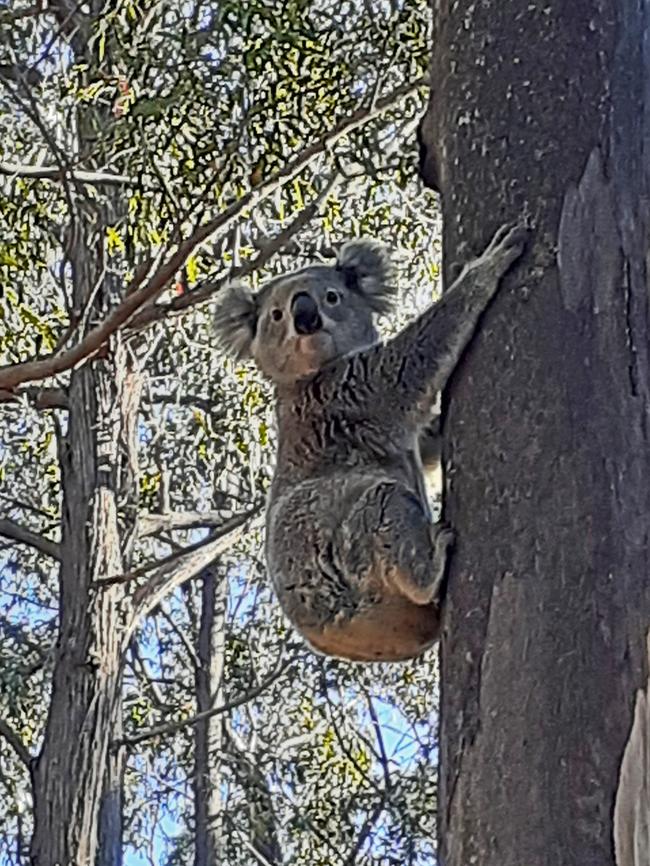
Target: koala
351, 547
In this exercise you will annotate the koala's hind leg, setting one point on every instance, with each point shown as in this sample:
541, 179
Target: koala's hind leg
408, 552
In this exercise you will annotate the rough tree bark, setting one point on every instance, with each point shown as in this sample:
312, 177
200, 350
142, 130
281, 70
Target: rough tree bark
71, 775
541, 110
77, 780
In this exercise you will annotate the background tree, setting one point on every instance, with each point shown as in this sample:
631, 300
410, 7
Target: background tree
154, 705
539, 111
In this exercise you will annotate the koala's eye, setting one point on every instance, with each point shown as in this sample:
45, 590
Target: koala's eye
332, 297
276, 314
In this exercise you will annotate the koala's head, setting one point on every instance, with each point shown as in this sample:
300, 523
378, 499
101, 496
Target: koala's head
296, 324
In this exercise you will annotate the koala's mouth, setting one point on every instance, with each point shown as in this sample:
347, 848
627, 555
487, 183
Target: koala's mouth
310, 344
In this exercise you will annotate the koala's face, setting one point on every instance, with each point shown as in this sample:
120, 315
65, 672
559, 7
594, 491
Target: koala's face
300, 322
306, 320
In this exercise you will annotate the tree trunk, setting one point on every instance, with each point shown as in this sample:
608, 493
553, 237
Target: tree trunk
111, 852
214, 737
98, 473
209, 732
539, 111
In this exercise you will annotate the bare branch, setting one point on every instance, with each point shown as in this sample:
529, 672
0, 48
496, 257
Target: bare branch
210, 287
365, 831
40, 398
182, 567
172, 727
256, 854
11, 72
182, 636
380, 742
179, 554
12, 738
139, 669
19, 533
150, 524
137, 295
55, 172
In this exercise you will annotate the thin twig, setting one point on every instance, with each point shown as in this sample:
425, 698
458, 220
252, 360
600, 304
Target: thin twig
226, 527
13, 530
55, 172
12, 738
209, 288
151, 524
172, 727
186, 566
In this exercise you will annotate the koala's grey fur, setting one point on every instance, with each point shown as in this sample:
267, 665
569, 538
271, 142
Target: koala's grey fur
350, 544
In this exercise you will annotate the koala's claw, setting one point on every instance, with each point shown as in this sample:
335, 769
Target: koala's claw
443, 538
508, 238
506, 246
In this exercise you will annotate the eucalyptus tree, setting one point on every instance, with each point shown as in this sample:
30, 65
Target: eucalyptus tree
153, 699
539, 111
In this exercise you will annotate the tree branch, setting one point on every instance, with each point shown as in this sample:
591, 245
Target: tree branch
150, 524
186, 565
55, 172
13, 530
172, 727
137, 295
12, 738
41, 398
209, 288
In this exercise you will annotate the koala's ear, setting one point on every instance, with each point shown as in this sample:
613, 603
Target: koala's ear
367, 269
235, 320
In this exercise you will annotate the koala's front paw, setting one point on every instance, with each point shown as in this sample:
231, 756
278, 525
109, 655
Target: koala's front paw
506, 247
443, 537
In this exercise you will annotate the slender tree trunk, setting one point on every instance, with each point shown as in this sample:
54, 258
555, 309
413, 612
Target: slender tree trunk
264, 843
214, 738
540, 110
98, 472
209, 733
111, 851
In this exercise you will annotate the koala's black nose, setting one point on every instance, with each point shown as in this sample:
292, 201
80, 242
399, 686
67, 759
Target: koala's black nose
306, 318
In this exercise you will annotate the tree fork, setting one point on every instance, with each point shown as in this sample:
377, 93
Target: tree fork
541, 111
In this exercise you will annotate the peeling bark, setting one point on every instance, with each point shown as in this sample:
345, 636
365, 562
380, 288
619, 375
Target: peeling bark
541, 111
632, 810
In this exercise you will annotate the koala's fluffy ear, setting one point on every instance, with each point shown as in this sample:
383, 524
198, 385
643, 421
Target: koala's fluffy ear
235, 320
367, 269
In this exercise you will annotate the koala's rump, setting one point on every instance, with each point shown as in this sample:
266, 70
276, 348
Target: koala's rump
326, 566
393, 630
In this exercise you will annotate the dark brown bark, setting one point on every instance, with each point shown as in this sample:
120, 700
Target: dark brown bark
540, 111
